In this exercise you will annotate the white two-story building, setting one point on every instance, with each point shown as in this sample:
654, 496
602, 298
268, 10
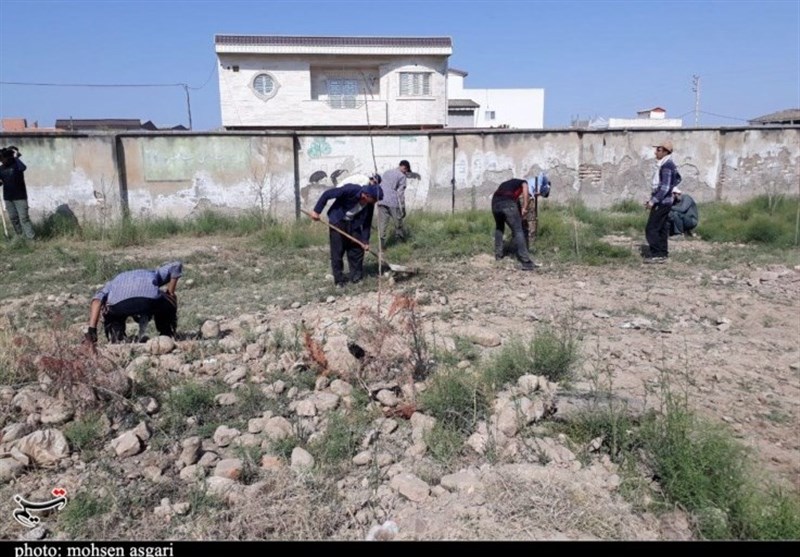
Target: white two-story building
492, 108
332, 82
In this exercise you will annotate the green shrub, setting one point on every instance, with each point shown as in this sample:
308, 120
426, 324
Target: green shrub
76, 516
444, 442
509, 363
342, 438
456, 399
84, 434
555, 353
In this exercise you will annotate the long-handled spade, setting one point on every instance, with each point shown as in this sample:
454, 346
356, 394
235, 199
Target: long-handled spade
394, 268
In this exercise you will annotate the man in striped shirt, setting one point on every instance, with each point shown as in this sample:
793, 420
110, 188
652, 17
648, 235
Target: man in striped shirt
137, 294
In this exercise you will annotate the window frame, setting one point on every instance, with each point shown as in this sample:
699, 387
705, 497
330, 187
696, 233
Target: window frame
425, 85
260, 94
346, 99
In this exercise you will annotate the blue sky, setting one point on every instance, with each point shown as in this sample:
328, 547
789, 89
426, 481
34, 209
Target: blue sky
593, 58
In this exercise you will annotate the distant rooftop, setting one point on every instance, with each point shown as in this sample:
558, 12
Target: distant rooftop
305, 44
301, 40
788, 116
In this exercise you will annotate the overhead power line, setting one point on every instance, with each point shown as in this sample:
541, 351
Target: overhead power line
34, 84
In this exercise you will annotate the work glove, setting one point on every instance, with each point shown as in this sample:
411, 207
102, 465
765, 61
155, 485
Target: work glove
90, 337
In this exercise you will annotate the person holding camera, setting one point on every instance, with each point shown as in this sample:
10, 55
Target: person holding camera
136, 294
15, 194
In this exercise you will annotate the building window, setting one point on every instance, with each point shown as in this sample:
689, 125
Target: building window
343, 93
415, 84
490, 115
265, 86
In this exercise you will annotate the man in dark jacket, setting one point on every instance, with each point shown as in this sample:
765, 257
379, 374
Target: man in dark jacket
351, 211
683, 216
15, 194
665, 179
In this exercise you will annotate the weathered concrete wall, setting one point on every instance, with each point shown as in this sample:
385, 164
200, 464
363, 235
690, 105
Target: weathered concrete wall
180, 173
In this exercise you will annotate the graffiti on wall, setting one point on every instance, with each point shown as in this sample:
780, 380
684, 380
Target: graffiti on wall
177, 159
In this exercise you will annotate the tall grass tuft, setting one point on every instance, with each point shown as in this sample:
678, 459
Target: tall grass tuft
764, 220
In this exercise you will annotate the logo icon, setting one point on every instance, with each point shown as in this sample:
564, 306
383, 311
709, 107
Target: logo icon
23, 514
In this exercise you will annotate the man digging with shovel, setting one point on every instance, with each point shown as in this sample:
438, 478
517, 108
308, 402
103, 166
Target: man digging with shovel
351, 213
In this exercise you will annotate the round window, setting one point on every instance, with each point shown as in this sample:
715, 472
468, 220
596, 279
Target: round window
264, 85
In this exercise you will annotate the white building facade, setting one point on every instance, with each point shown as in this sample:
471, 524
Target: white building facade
492, 108
650, 118
332, 82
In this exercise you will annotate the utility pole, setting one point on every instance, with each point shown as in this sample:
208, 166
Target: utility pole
696, 90
188, 104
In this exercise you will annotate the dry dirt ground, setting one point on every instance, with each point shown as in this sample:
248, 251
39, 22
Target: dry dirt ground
728, 334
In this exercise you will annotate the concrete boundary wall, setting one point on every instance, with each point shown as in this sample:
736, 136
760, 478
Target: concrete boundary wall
104, 176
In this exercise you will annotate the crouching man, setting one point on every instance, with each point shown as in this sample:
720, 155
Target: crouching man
136, 294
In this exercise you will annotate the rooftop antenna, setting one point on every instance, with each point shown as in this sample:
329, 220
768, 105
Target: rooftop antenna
696, 90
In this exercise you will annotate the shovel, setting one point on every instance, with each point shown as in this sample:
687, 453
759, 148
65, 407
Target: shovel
365, 247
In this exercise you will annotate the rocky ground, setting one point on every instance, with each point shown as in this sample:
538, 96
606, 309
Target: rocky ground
255, 463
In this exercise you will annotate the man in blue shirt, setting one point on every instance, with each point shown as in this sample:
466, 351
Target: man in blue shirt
352, 212
15, 194
137, 294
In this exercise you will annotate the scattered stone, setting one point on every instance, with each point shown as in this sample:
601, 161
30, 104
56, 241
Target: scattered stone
479, 335
637, 323
387, 398
420, 426
388, 426
57, 413
229, 468
271, 463
256, 425
301, 459
224, 435
465, 481
278, 387
236, 375
38, 533
208, 459
254, 351
210, 329
363, 458
20, 457
321, 383
601, 314
768, 276
463, 364
306, 408
192, 473
219, 486
340, 387
226, 399
296, 305
149, 404
160, 345
330, 299
325, 402
10, 468
170, 362
410, 487
508, 421
142, 431
232, 343
277, 428
191, 451
14, 431
528, 384
127, 444
45, 446
595, 444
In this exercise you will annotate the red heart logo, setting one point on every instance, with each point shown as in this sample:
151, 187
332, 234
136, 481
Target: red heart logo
59, 492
